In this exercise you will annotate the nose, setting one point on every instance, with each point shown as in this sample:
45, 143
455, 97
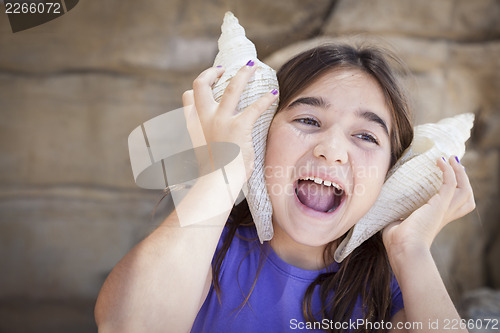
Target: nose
332, 149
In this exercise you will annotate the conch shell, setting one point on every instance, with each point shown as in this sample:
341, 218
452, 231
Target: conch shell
235, 50
413, 180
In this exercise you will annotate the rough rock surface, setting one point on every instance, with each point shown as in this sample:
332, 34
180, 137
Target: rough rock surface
479, 309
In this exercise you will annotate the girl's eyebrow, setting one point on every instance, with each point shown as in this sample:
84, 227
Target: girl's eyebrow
312, 101
371, 116
321, 103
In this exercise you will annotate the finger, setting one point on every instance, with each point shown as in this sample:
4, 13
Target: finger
445, 194
461, 176
463, 210
232, 94
194, 126
253, 112
464, 188
463, 199
449, 180
188, 98
202, 85
188, 104
193, 123
460, 210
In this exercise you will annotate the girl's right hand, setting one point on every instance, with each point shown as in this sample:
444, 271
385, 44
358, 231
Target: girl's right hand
219, 121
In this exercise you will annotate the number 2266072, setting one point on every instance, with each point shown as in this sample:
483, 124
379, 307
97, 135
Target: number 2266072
33, 8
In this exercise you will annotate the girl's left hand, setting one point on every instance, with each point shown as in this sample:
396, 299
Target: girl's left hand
454, 200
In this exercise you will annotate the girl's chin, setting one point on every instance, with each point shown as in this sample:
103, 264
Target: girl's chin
313, 228
310, 233
312, 240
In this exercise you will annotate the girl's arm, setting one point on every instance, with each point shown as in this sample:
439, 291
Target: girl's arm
428, 306
162, 282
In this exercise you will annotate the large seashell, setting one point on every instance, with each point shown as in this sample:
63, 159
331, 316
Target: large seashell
413, 180
235, 50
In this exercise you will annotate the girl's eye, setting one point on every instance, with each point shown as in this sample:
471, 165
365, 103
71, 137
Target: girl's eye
367, 137
308, 121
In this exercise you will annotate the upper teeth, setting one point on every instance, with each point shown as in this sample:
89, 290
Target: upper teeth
318, 180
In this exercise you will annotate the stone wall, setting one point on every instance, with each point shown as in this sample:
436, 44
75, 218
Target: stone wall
72, 90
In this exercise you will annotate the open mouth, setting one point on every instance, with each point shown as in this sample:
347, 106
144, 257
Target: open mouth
318, 194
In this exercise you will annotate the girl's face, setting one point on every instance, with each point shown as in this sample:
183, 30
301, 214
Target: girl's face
327, 155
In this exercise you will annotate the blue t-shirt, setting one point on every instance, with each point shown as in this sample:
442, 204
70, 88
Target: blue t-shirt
275, 304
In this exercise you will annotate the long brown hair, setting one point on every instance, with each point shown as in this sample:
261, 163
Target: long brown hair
366, 272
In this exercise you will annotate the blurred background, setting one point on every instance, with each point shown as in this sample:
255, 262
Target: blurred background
71, 91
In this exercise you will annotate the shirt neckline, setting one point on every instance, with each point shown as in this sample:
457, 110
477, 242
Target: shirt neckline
295, 271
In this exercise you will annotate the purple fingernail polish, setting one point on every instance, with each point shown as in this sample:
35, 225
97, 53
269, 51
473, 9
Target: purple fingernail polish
250, 63
444, 159
274, 92
456, 158
219, 66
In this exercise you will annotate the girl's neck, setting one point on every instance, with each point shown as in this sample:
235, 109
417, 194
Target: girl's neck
296, 254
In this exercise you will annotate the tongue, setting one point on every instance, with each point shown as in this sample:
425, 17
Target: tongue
316, 196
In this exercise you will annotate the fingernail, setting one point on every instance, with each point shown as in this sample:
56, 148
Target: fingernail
274, 92
444, 159
219, 66
456, 158
250, 63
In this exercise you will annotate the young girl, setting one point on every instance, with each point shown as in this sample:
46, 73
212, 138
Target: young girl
342, 122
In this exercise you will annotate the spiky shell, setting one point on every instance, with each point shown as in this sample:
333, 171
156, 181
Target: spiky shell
235, 50
413, 180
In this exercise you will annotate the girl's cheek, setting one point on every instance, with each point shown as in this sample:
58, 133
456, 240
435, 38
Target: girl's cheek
369, 168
